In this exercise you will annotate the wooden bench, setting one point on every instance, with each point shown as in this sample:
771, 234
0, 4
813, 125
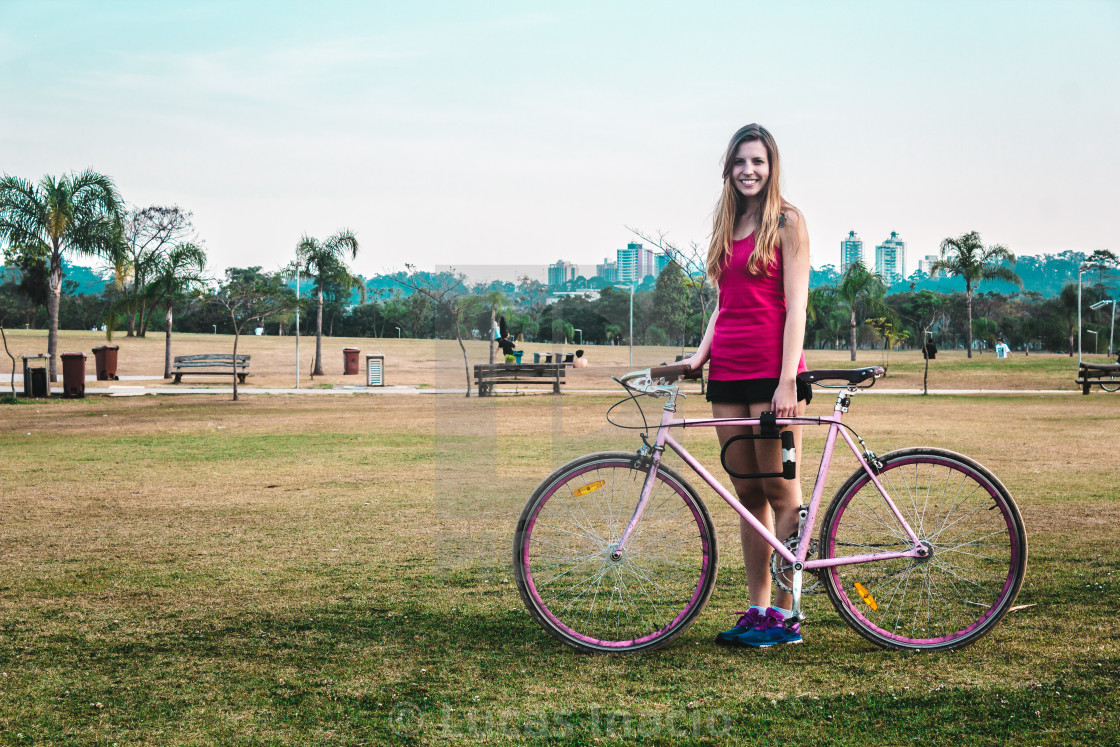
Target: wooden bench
1104, 375
211, 364
486, 375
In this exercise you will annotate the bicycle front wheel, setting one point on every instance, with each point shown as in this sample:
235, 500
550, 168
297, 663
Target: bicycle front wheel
566, 569
1111, 384
969, 523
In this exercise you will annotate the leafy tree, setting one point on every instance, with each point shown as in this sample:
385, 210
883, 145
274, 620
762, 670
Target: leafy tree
324, 262
178, 273
75, 213
860, 290
496, 302
670, 301
966, 257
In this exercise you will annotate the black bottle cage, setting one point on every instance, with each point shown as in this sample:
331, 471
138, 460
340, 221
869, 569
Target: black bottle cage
768, 431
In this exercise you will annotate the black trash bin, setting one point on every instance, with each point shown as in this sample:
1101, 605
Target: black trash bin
36, 382
73, 375
105, 357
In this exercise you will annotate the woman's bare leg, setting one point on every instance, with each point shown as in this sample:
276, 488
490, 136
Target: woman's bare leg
773, 501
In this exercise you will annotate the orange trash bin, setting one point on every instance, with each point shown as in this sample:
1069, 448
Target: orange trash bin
351, 366
73, 375
105, 357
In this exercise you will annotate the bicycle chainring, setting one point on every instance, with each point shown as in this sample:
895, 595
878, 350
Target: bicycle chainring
782, 572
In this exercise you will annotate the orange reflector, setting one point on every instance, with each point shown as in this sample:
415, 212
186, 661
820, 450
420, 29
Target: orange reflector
589, 488
866, 595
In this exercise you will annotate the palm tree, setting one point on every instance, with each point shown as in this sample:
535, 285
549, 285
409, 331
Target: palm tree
966, 257
323, 261
74, 213
176, 274
860, 289
497, 302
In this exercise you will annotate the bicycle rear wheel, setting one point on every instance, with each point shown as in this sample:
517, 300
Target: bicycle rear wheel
1111, 384
966, 518
564, 542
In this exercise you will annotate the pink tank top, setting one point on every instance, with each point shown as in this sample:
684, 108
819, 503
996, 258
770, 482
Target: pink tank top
747, 342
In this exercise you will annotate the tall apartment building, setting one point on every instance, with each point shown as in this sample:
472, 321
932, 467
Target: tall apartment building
635, 262
890, 259
662, 261
561, 272
851, 251
607, 271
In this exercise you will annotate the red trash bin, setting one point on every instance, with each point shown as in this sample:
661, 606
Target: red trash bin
73, 375
105, 357
350, 361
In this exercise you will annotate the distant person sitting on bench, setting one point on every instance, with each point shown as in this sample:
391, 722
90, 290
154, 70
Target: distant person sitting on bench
580, 361
507, 347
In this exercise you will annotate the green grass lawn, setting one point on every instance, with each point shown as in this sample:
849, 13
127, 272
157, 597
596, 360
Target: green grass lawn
316, 570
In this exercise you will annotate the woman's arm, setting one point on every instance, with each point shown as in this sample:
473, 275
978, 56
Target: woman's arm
700, 357
793, 239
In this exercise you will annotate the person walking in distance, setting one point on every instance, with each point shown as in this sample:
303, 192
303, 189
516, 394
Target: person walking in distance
758, 260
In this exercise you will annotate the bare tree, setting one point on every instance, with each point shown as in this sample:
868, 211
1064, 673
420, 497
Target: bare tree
693, 261
253, 299
448, 292
147, 235
10, 356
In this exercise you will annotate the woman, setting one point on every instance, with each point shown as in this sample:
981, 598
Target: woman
759, 262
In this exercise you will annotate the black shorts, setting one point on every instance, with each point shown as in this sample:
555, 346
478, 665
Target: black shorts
746, 391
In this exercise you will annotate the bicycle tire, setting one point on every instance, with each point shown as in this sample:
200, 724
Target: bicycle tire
561, 556
976, 567
1112, 385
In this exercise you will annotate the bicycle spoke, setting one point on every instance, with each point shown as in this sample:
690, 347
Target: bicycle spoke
941, 601
650, 593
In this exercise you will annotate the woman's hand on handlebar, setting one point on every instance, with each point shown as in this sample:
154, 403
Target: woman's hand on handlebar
694, 362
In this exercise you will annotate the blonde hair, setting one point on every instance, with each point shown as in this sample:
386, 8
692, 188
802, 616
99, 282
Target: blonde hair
732, 204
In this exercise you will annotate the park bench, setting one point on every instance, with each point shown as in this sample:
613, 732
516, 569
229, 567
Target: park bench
210, 364
1104, 375
486, 375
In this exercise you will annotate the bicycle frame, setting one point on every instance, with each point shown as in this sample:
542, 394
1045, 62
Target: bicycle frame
798, 559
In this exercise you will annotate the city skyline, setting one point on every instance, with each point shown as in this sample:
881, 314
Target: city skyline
453, 135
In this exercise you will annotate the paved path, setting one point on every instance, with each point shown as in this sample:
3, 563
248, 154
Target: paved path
125, 390
134, 390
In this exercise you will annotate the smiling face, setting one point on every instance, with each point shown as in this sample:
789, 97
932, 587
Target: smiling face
750, 168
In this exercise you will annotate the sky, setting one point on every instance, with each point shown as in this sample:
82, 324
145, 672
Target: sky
516, 134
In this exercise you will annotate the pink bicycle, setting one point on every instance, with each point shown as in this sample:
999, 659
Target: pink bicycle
921, 548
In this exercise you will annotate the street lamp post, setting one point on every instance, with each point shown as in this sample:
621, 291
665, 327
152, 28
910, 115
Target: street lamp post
1080, 271
296, 268
631, 323
398, 333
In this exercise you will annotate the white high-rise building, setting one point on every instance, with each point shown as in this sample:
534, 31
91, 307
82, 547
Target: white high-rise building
635, 262
851, 251
890, 259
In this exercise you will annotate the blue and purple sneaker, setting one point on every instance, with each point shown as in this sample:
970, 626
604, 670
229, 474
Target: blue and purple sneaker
747, 620
769, 631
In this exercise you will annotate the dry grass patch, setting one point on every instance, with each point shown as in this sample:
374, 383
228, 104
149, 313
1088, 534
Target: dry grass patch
292, 569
